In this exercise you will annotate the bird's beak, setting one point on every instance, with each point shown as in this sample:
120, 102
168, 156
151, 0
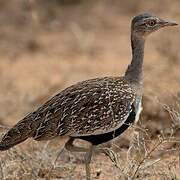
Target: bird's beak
168, 23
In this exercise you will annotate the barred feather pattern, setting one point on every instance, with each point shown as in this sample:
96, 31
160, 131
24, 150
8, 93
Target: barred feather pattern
89, 107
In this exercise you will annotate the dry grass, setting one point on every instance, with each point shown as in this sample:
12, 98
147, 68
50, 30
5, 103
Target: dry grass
145, 158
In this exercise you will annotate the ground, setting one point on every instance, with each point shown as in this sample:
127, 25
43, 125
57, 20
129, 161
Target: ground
47, 46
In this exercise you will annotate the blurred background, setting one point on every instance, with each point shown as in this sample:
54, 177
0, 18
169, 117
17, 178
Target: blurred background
46, 46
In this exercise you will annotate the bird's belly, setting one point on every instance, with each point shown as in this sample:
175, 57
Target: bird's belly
105, 137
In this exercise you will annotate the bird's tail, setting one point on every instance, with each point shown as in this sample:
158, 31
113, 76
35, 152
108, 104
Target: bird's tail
17, 134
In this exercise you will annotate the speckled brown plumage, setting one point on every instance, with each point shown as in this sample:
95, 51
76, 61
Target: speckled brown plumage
90, 107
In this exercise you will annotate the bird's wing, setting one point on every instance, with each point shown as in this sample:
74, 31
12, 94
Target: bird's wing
90, 107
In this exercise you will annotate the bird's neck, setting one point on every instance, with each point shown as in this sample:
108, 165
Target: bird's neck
134, 72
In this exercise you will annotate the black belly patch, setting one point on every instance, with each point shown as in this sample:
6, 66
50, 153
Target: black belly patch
102, 138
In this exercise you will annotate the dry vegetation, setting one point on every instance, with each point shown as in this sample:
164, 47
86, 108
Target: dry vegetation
48, 45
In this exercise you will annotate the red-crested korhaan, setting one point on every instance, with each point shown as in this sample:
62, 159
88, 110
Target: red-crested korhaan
96, 110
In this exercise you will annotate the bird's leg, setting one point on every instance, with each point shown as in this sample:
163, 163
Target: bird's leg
70, 147
88, 157
54, 162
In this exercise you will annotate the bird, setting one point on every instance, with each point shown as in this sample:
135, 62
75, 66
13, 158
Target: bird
96, 110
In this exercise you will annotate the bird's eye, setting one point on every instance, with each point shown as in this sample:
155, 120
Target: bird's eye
151, 23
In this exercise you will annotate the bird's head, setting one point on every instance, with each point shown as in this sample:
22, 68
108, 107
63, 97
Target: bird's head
144, 24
